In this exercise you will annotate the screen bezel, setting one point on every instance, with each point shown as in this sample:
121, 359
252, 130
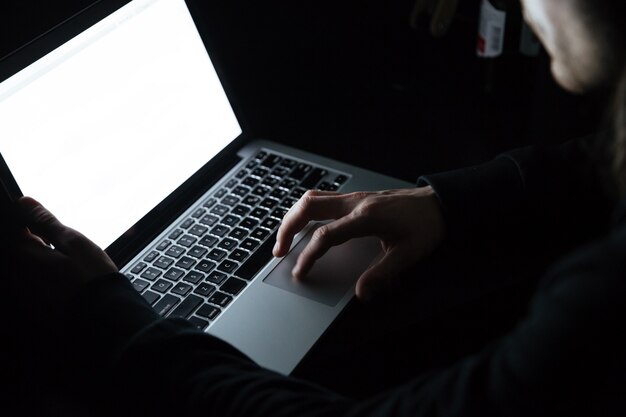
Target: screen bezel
156, 220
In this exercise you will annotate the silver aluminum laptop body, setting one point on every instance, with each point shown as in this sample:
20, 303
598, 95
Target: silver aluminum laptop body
274, 320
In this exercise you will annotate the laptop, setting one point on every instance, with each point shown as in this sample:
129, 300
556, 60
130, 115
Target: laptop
121, 123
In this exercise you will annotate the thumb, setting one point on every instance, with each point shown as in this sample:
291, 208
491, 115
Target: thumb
382, 274
42, 222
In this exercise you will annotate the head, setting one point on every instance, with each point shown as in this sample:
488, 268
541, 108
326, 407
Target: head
585, 40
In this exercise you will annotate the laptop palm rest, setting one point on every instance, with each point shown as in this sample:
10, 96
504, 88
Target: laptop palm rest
332, 275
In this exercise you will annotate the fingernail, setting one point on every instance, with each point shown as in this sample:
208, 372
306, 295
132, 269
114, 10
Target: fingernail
296, 271
275, 249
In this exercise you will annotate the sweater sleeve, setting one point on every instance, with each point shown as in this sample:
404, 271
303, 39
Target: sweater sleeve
554, 191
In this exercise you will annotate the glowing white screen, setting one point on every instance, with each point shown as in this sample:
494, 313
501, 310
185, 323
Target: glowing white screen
106, 126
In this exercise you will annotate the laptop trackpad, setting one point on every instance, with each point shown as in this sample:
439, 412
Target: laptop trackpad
332, 275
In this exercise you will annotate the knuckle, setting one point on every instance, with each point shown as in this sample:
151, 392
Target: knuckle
365, 209
321, 234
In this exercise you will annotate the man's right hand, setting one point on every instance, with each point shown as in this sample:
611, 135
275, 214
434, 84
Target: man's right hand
408, 222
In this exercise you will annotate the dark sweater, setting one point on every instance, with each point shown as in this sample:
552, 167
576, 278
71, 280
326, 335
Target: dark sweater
565, 357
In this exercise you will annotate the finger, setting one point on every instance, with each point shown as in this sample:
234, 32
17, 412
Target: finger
313, 205
442, 17
325, 237
382, 273
44, 224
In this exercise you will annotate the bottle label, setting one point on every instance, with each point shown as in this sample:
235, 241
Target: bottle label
490, 31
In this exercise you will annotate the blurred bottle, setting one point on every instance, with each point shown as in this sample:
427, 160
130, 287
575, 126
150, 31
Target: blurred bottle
499, 28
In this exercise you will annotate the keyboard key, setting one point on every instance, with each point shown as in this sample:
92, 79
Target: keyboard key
279, 213
269, 203
198, 230
208, 241
163, 262
271, 160
240, 210
175, 251
220, 210
300, 171
221, 193
278, 193
257, 260
227, 244
289, 163
241, 173
340, 179
270, 223
297, 193
140, 284
205, 266
231, 183
151, 274
166, 303
151, 256
250, 182
230, 220
261, 191
208, 311
162, 286
288, 202
204, 289
187, 307
238, 233
313, 178
181, 289
249, 244
194, 276
209, 220
251, 200
187, 241
174, 274
259, 233
260, 172
175, 234
280, 171
198, 322
216, 254
227, 266
163, 245
210, 202
151, 297
261, 155
259, 213
240, 190
233, 285
220, 299
238, 255
230, 200
187, 223
198, 213
197, 251
270, 181
288, 183
216, 277
138, 268
185, 262
220, 230
249, 223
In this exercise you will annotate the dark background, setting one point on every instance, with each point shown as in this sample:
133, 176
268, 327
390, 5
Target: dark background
354, 81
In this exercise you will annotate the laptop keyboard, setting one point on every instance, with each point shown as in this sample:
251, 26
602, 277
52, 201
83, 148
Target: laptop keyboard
203, 264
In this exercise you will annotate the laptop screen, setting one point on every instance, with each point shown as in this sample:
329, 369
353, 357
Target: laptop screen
106, 126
